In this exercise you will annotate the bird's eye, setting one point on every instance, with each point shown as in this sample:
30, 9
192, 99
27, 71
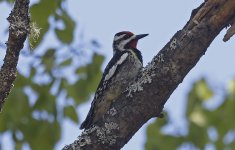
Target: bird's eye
128, 36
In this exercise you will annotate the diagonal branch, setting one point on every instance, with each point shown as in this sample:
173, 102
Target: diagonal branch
18, 31
145, 99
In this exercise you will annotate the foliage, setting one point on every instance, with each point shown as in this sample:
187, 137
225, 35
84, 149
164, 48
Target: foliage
52, 82
213, 127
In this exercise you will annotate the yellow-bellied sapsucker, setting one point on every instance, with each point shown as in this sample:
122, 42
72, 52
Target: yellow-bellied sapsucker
119, 73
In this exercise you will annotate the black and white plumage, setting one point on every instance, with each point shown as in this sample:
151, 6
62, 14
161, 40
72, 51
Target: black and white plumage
118, 74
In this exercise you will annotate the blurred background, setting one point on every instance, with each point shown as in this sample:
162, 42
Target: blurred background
60, 70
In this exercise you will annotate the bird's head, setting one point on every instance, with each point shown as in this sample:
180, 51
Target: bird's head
126, 40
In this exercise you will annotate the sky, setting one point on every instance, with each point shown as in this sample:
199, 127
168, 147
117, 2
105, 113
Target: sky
101, 19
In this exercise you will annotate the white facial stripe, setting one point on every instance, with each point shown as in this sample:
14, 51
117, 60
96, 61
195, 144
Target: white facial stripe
113, 69
122, 44
128, 40
118, 37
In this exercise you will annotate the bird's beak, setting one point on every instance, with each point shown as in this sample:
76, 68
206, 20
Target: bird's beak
140, 36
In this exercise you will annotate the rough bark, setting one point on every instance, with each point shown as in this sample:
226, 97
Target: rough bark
18, 31
145, 99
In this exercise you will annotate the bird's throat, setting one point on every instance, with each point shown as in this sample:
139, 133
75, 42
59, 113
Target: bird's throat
133, 44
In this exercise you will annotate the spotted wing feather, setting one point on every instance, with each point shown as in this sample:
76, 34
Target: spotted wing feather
109, 72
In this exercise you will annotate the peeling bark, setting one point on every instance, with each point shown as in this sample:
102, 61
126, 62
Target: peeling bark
145, 99
18, 31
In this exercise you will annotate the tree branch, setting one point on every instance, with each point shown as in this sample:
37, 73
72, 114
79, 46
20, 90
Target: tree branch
145, 99
18, 31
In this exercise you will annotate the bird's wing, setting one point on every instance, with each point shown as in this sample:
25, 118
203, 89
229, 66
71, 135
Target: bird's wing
110, 71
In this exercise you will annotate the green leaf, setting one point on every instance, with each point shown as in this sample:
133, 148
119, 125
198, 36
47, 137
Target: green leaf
21, 82
70, 112
94, 72
4, 120
66, 62
98, 59
203, 90
89, 77
198, 135
157, 140
78, 91
221, 117
45, 101
18, 102
18, 145
81, 70
93, 67
199, 93
231, 87
198, 117
33, 72
65, 35
48, 60
41, 132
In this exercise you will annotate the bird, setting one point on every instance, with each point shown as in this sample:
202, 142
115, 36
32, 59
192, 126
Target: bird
120, 72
